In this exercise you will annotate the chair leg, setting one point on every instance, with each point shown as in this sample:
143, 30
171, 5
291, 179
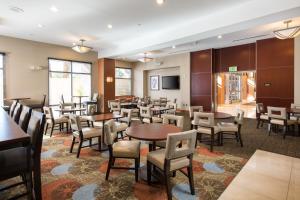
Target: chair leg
79, 148
137, 164
99, 143
258, 123
46, 128
240, 138
72, 145
90, 142
37, 180
52, 129
284, 131
29, 185
108, 167
168, 184
191, 178
269, 128
212, 142
149, 170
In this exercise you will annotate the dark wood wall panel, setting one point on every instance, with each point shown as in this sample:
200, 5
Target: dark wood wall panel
242, 56
275, 72
201, 78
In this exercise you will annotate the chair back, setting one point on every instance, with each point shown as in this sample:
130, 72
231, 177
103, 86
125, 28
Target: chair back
25, 117
145, 112
95, 97
239, 117
35, 130
172, 149
204, 119
277, 113
43, 100
163, 101
91, 109
48, 112
193, 109
115, 106
126, 113
171, 105
167, 119
295, 106
12, 108
74, 121
110, 132
260, 108
17, 112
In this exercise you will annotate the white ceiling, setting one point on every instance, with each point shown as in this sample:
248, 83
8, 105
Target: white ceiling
142, 25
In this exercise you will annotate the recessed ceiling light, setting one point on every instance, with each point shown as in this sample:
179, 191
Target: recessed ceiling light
220, 36
109, 26
173, 46
16, 9
54, 9
40, 25
160, 2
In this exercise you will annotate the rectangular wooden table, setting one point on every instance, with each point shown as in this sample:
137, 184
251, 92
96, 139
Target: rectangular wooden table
266, 176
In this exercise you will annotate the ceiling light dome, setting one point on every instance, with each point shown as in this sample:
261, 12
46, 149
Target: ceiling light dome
80, 48
288, 32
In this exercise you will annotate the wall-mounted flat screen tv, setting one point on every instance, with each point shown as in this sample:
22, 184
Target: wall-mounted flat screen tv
171, 82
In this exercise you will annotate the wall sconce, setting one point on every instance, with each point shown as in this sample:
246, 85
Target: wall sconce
109, 79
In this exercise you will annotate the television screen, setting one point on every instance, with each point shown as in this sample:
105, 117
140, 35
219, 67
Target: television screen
170, 82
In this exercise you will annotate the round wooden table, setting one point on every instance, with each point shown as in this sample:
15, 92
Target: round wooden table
152, 132
221, 115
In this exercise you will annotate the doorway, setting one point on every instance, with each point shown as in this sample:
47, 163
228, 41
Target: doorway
236, 90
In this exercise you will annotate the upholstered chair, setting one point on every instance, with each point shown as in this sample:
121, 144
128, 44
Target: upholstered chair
206, 125
12, 108
174, 158
261, 115
52, 122
115, 107
121, 149
146, 116
25, 117
192, 110
83, 134
172, 106
171, 119
163, 101
17, 113
124, 122
295, 116
233, 127
278, 117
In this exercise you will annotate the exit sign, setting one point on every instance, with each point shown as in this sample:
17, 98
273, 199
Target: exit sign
233, 69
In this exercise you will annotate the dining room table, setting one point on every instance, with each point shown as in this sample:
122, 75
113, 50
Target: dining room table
80, 98
70, 110
159, 110
18, 99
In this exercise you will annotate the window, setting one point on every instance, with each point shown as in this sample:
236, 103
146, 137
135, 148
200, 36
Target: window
68, 78
123, 81
1, 78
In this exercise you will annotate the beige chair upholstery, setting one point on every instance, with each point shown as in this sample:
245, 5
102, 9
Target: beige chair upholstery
126, 116
192, 110
50, 120
278, 117
83, 134
163, 101
146, 116
206, 125
295, 117
172, 106
115, 107
174, 158
233, 127
121, 149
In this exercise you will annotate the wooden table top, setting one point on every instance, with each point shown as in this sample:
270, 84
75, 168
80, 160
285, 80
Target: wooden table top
221, 115
102, 117
10, 132
18, 98
152, 132
70, 109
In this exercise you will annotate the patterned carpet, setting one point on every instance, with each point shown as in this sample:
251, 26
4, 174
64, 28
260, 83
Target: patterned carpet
65, 177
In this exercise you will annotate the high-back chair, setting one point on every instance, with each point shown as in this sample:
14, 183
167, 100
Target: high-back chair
163, 101
25, 117
174, 158
83, 134
192, 110
17, 113
146, 115
124, 122
261, 115
278, 117
120, 149
172, 106
115, 107
51, 121
206, 125
39, 105
12, 108
233, 127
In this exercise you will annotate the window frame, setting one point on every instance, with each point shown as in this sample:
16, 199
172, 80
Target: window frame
125, 79
70, 73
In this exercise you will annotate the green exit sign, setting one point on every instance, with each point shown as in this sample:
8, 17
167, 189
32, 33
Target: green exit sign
233, 69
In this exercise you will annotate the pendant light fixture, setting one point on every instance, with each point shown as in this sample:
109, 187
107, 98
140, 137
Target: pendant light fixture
288, 32
80, 48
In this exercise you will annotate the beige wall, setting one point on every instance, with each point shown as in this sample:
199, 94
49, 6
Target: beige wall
21, 54
179, 62
297, 71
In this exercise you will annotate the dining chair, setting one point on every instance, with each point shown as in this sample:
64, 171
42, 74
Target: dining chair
39, 105
25, 117
124, 122
120, 149
174, 158
17, 113
163, 101
115, 107
192, 110
146, 116
233, 127
172, 106
295, 116
83, 134
261, 115
52, 121
171, 119
205, 124
22, 161
278, 117
12, 108
92, 102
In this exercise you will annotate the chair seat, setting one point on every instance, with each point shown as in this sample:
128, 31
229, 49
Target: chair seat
59, 120
126, 149
264, 117
208, 130
13, 161
228, 127
158, 159
121, 126
89, 133
124, 119
294, 118
281, 122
